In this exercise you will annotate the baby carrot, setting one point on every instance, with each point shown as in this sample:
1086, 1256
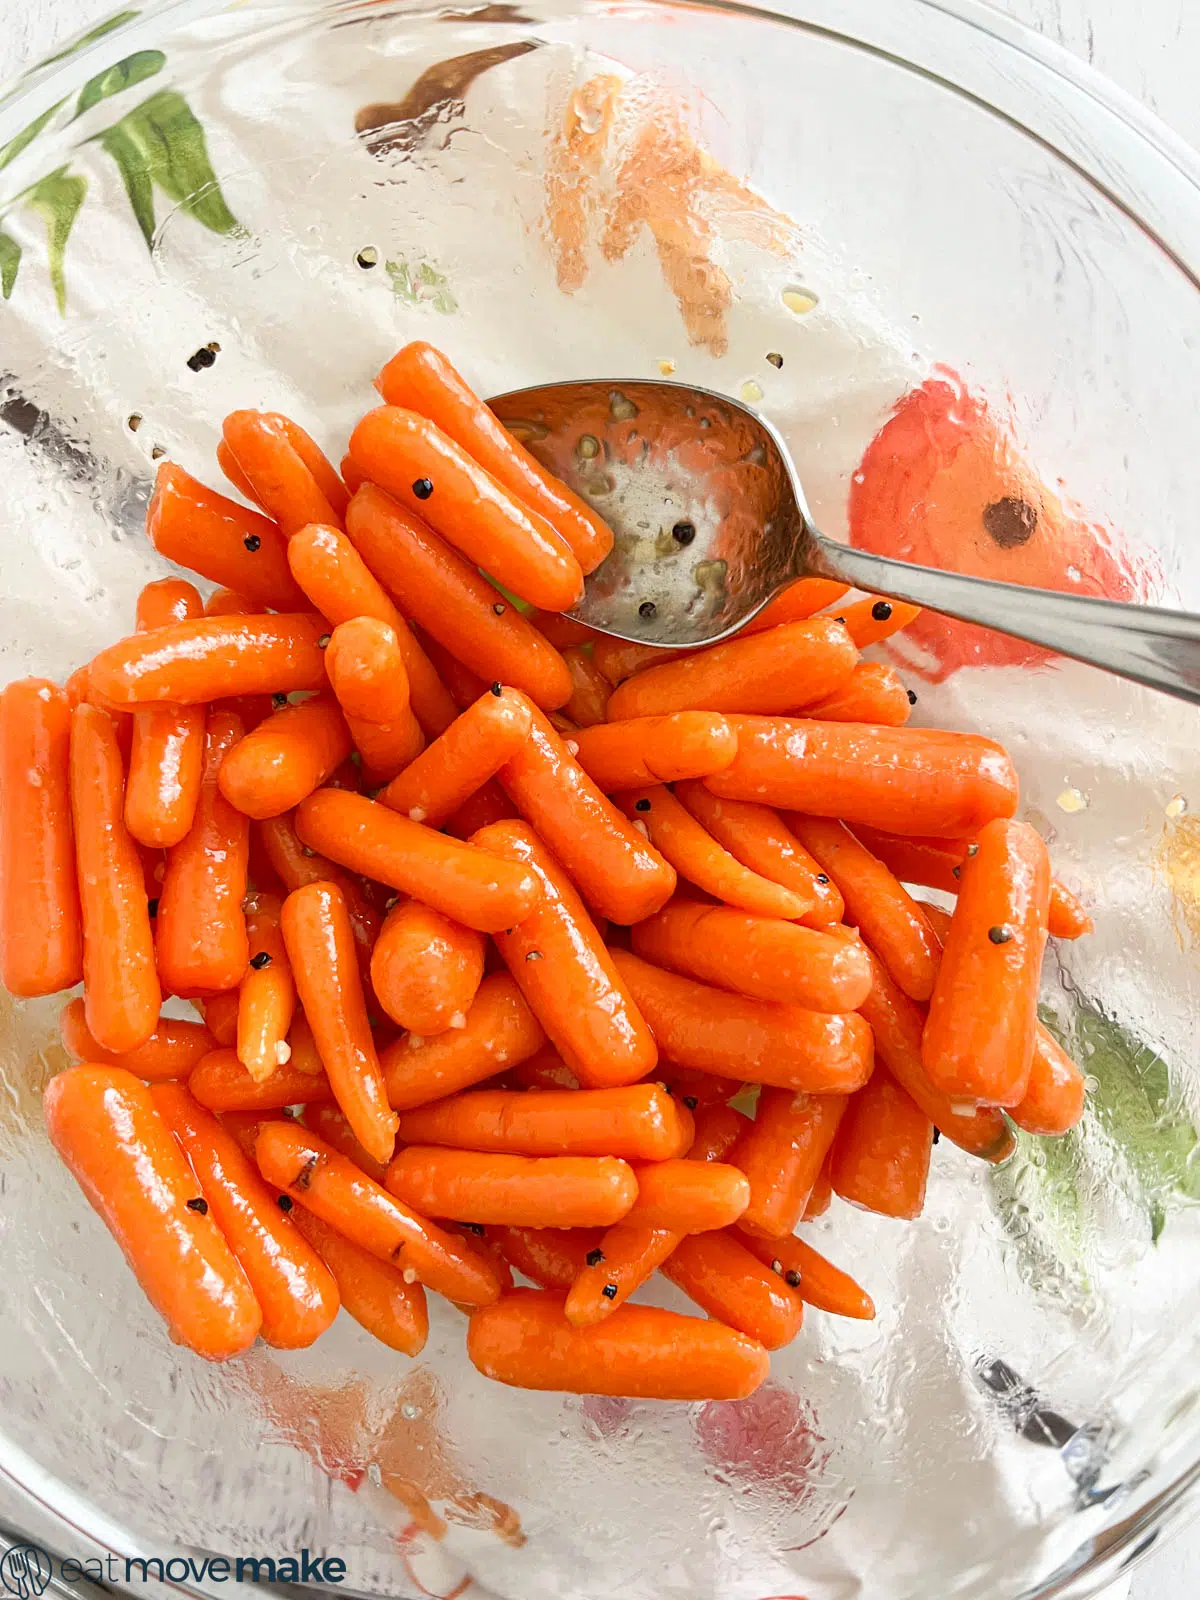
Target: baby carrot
641, 1352
295, 865
261, 444
41, 945
228, 464
320, 945
410, 458
897, 779
220, 1013
167, 750
870, 620
563, 631
559, 961
872, 693
461, 760
329, 1122
103, 1124
305, 1167
294, 1289
781, 1152
120, 984
453, 603
371, 1291
420, 378
619, 659
626, 755
516, 1191
171, 1051
757, 956
340, 585
756, 1041
689, 1196
229, 603
724, 1279
982, 1022
590, 695
760, 839
610, 861
801, 599
304, 1057
1056, 1093
817, 1281
545, 1070
629, 1253
821, 1197
487, 805
366, 670
698, 1088
763, 673
285, 758
460, 881
350, 474
220, 1082
267, 995
500, 1031
880, 1158
386, 748
551, 1257
638, 1123
212, 658
1067, 919
886, 915
221, 540
425, 968
200, 937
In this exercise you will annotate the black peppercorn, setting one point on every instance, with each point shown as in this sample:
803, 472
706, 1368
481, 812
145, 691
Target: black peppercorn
683, 532
690, 1101
956, 872
279, 701
822, 877
152, 906
252, 542
285, 1202
323, 642
912, 697
206, 356
641, 805
881, 610
261, 960
792, 1277
937, 1136
647, 609
595, 1257
1000, 934
609, 1291
775, 359
497, 690
423, 488
198, 1204
499, 608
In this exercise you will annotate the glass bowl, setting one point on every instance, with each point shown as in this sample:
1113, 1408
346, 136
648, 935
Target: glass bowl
878, 220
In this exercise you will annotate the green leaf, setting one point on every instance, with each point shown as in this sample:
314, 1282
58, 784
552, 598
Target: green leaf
58, 198
121, 75
162, 142
135, 175
10, 151
424, 285
101, 29
10, 260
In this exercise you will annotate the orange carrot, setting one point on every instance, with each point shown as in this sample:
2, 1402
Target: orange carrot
551, 1257
212, 658
261, 443
515, 1191
873, 693
561, 966
103, 1124
267, 996
699, 1089
1056, 1093
286, 757
452, 602
329, 1122
500, 1031
462, 882
220, 1082
229, 603
426, 969
638, 1123
545, 1070
781, 1152
410, 458
220, 539
817, 1281
120, 984
870, 620
458, 763
487, 805
562, 631
41, 943
171, 1051
306, 1168
366, 670
374, 1293
757, 956
982, 1023
765, 674
420, 378
200, 938
386, 748
689, 1196
756, 1041
724, 1279
626, 755
220, 1013
1067, 919
228, 464
619, 659
821, 1196
629, 1253
590, 696
351, 476
642, 1352
320, 945
295, 1291
295, 865
462, 684
801, 599
167, 750
880, 1158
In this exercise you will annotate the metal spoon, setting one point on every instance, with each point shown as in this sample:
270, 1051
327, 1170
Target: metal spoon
711, 522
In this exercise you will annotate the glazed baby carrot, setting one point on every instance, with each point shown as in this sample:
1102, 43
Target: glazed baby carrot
220, 539
760, 839
304, 1055
261, 443
757, 956
366, 670
763, 673
487, 805
880, 1158
212, 658
420, 378
689, 1196
870, 620
619, 659
421, 467
638, 1123
1067, 919
386, 748
307, 1169
1056, 1093
120, 985
610, 861
267, 995
285, 758
500, 1031
220, 1082
545, 1070
562, 631
228, 464
626, 755
371, 1291
462, 684
425, 968
458, 763
801, 599
641, 1352
756, 1041
630, 1252
724, 1279
698, 1089
817, 1281
296, 864
884, 912
340, 585
171, 1051
103, 1124
982, 1023
462, 882
167, 750
560, 964
320, 945
782, 1152
200, 938
590, 696
329, 1122
220, 1013
453, 603
551, 1257
516, 1191
41, 944
294, 1289
229, 603
916, 779
821, 1197
872, 693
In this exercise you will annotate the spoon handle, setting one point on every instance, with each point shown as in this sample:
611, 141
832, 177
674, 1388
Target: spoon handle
1145, 643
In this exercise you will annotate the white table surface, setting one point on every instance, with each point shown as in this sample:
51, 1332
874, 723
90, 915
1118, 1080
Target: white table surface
1151, 48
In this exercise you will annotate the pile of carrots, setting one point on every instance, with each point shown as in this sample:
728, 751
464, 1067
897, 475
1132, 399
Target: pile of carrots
520, 916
